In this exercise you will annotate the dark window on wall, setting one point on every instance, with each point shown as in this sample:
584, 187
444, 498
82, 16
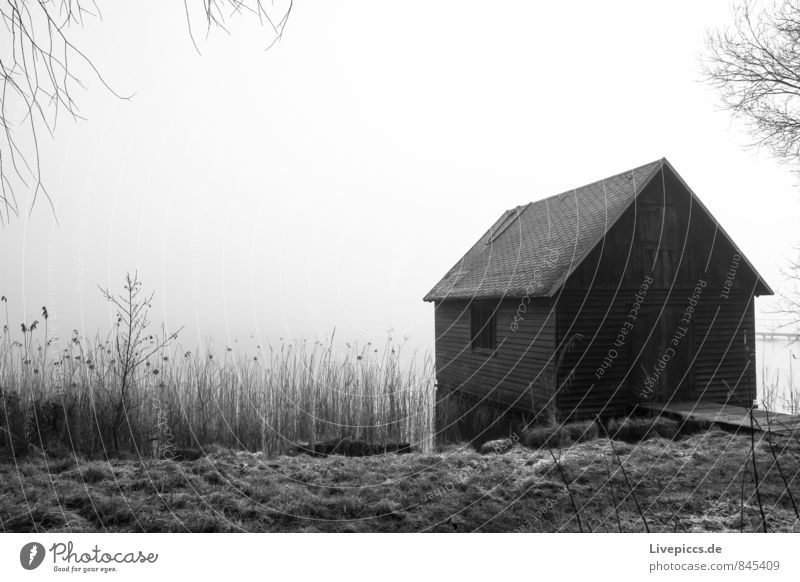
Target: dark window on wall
484, 328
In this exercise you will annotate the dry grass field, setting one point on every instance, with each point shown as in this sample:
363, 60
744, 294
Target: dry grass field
703, 482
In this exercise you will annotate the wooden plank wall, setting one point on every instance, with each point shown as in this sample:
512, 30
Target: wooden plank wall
721, 358
519, 373
715, 344
597, 315
598, 296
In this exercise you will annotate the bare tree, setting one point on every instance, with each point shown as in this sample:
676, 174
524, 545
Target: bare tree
755, 64
41, 66
133, 345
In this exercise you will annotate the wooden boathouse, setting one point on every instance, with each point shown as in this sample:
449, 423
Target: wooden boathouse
614, 294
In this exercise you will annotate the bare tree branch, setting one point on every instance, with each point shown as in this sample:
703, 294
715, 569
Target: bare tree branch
755, 65
40, 67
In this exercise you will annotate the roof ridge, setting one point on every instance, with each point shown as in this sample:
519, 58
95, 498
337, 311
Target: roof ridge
590, 184
609, 224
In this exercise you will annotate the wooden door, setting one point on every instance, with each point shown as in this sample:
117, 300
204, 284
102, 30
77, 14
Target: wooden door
660, 356
678, 340
645, 349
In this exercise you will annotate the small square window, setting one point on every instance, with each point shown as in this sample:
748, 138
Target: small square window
484, 328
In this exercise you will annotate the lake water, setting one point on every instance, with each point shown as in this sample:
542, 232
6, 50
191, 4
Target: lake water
778, 365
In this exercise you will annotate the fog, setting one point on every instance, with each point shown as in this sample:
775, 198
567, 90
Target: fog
330, 181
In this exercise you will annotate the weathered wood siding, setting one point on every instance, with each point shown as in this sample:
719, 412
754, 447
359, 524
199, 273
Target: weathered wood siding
722, 370
588, 324
668, 239
519, 373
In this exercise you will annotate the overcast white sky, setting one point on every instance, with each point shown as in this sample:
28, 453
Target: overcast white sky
331, 181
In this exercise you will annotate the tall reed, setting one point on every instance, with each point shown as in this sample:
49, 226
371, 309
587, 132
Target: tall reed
298, 391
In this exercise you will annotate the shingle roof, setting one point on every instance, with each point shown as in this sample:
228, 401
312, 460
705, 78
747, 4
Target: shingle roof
532, 249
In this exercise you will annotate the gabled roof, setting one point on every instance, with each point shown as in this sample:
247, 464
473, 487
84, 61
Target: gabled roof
533, 249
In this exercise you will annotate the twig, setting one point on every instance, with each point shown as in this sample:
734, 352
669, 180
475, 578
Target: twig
564, 479
741, 500
752, 435
627, 482
613, 496
778, 464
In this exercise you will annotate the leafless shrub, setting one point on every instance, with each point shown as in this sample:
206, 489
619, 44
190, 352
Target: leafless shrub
132, 346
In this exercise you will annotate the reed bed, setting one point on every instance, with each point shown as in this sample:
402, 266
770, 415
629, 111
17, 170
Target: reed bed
778, 393
74, 397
